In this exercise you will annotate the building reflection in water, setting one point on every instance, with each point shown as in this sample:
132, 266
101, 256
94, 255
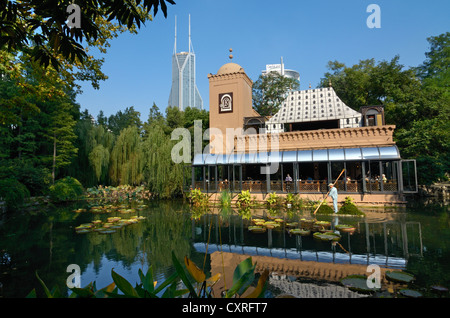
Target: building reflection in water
386, 242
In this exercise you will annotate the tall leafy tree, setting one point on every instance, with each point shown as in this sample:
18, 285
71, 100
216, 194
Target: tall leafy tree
44, 24
269, 92
127, 159
415, 100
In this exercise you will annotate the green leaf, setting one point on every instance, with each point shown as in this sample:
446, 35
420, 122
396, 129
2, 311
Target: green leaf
183, 276
46, 290
123, 285
243, 276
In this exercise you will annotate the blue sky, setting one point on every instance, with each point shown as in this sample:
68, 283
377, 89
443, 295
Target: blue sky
307, 34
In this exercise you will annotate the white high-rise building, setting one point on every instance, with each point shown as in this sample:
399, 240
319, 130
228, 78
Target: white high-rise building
184, 92
279, 68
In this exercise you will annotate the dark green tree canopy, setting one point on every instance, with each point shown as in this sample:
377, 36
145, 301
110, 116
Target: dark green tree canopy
269, 91
40, 26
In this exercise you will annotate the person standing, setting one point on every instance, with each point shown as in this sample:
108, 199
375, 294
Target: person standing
334, 195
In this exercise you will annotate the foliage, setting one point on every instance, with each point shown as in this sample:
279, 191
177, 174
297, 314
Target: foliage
244, 199
324, 209
44, 24
163, 176
13, 193
195, 284
119, 194
289, 199
350, 208
66, 189
273, 199
225, 199
416, 100
36, 179
269, 91
127, 158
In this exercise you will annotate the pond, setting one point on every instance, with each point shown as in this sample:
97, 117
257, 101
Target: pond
415, 239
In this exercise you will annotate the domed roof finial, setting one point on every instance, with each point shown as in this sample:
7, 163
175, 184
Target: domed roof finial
231, 55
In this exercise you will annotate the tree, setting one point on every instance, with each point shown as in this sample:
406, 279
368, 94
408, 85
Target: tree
44, 24
269, 91
121, 120
127, 159
417, 105
435, 70
163, 177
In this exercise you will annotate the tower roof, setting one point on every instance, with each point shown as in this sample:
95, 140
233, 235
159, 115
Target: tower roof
230, 68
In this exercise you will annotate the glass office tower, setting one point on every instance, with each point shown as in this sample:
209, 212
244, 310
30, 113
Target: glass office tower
184, 92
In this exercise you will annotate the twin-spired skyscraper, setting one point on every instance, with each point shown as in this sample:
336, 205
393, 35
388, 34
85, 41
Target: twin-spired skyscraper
184, 92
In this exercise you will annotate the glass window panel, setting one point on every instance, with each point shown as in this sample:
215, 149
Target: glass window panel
275, 156
289, 156
221, 159
262, 157
353, 154
320, 155
211, 159
336, 154
249, 157
304, 156
234, 158
389, 153
198, 160
370, 153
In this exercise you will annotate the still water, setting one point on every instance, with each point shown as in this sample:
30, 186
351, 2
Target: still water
415, 238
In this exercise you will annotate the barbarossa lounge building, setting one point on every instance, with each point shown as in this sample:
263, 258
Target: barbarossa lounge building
301, 149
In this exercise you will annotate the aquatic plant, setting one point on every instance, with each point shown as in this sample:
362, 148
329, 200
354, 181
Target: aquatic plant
244, 198
195, 284
324, 209
349, 208
273, 200
358, 283
197, 198
225, 199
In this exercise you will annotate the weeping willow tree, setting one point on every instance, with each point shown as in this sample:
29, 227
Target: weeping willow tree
163, 177
95, 144
127, 161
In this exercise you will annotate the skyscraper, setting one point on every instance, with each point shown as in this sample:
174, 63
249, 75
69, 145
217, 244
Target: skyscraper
184, 92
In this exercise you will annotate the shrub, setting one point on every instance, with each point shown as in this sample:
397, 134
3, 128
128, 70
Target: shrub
13, 193
197, 197
225, 198
66, 189
273, 199
350, 208
324, 209
244, 199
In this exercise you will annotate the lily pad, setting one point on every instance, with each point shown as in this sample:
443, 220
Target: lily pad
345, 228
399, 277
257, 229
327, 236
108, 231
357, 283
302, 232
83, 231
410, 293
